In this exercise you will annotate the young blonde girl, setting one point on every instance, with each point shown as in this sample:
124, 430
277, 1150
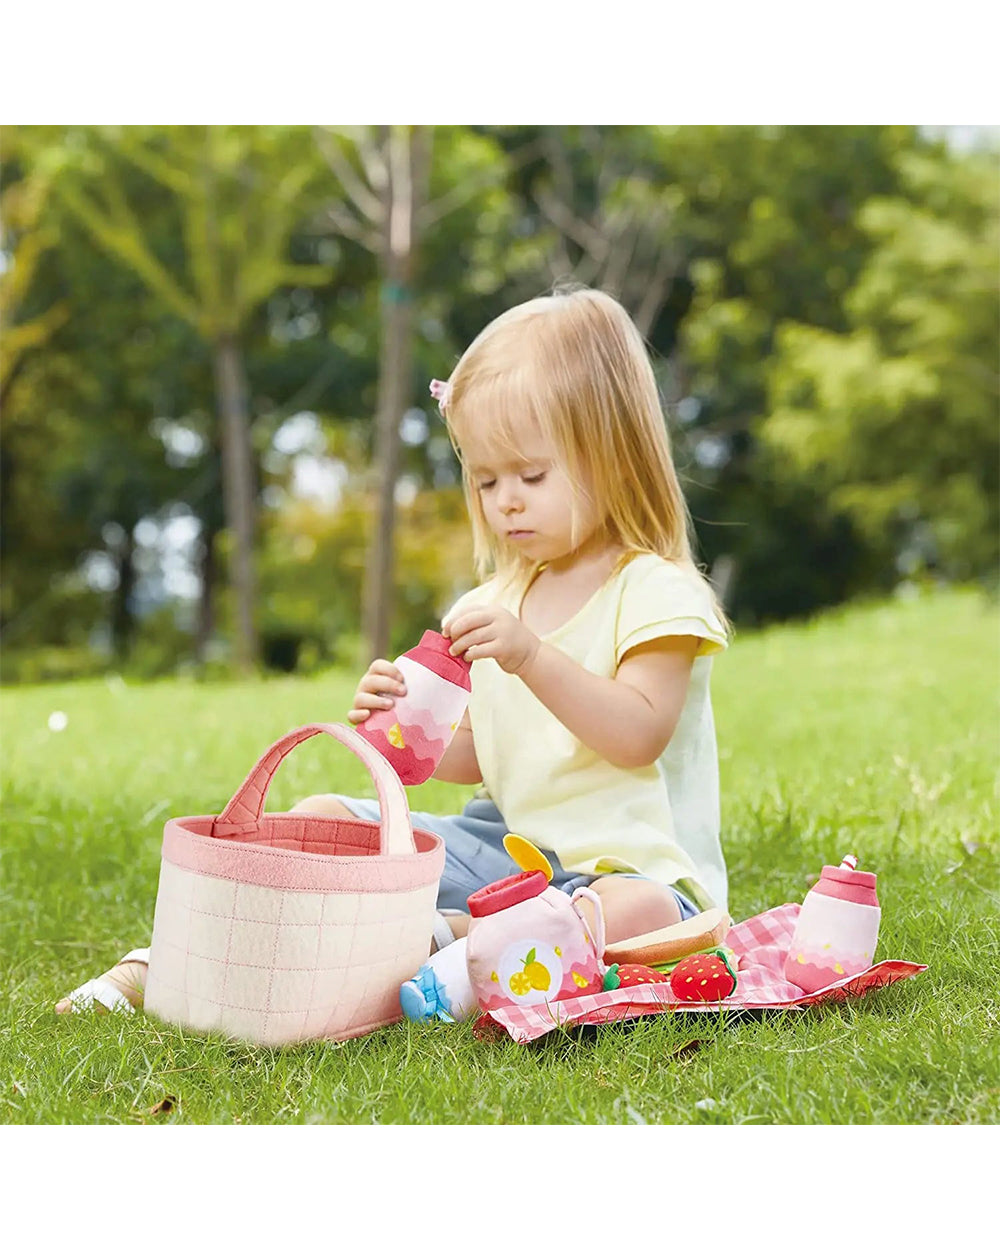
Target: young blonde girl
590, 635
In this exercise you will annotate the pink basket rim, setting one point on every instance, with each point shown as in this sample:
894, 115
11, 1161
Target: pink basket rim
250, 863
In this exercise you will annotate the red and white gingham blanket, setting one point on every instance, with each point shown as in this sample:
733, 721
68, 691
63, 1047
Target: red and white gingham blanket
760, 944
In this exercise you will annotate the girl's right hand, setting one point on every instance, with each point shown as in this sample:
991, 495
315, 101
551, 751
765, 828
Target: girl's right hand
375, 690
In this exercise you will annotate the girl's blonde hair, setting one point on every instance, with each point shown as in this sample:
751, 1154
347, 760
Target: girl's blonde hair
574, 364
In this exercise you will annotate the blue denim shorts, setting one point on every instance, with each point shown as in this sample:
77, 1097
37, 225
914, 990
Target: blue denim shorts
475, 856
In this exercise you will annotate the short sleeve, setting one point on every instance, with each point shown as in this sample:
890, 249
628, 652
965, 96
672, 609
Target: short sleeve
660, 599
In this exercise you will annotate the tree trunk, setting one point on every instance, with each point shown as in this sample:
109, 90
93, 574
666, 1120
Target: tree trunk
238, 493
122, 621
408, 167
206, 615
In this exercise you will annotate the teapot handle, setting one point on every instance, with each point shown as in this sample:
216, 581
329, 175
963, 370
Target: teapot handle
594, 899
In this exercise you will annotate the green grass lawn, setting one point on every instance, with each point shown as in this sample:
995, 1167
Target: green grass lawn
873, 729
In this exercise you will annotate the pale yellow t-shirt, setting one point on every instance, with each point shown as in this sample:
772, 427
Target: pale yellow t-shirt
661, 820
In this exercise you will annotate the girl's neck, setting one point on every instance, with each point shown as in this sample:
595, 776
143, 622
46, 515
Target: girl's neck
597, 555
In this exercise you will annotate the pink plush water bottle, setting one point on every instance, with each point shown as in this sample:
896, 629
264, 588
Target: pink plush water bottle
414, 733
837, 928
529, 943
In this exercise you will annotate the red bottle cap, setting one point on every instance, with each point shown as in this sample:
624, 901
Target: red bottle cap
433, 652
848, 884
505, 893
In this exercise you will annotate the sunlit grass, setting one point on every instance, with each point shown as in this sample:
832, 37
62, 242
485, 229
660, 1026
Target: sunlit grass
874, 729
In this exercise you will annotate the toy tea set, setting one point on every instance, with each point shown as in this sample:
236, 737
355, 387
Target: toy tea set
531, 960
285, 927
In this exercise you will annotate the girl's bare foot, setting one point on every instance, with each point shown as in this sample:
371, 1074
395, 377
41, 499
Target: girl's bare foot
127, 979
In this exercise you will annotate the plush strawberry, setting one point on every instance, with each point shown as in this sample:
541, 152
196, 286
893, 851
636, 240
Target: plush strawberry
621, 976
706, 977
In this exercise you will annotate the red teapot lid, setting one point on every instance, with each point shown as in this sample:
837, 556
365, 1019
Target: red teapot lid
504, 893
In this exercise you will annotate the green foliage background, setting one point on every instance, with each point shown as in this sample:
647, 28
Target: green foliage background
825, 344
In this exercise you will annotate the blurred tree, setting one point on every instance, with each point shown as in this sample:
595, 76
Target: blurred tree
313, 566
26, 326
385, 174
24, 239
240, 193
775, 237
895, 418
81, 465
387, 202
596, 205
801, 288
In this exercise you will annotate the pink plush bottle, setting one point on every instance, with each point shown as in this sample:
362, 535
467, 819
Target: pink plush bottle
837, 928
414, 733
529, 943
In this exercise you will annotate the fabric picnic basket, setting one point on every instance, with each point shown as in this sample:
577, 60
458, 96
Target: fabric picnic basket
284, 927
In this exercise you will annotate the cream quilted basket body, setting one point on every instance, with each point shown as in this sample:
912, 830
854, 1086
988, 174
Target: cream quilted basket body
286, 927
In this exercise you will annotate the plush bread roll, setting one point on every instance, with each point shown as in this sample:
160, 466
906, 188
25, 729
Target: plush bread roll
664, 946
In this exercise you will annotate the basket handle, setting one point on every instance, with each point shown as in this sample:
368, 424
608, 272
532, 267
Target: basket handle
244, 810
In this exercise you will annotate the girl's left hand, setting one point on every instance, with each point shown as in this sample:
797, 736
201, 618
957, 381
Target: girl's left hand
492, 633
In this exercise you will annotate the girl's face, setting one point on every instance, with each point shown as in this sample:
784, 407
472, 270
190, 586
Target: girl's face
527, 498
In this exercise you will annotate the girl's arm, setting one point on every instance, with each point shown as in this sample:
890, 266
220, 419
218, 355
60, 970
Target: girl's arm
459, 763
628, 719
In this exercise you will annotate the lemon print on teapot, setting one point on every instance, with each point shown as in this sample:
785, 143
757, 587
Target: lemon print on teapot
529, 972
534, 976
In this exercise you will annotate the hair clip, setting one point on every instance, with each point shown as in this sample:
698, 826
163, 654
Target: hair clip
441, 391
